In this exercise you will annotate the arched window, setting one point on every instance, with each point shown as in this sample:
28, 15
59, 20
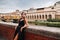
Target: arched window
40, 16
50, 16
43, 16
46, 16
37, 17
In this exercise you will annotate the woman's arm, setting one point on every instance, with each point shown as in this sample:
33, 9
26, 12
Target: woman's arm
26, 24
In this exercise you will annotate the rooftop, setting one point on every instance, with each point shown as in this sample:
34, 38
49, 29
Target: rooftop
58, 2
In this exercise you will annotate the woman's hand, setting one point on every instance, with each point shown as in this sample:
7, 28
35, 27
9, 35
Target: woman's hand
21, 29
15, 27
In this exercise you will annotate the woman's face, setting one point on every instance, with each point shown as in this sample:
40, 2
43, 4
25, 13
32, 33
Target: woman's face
23, 15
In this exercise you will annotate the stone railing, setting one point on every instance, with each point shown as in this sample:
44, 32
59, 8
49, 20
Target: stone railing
32, 32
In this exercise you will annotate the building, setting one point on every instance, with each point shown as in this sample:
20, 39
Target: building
51, 12
10, 16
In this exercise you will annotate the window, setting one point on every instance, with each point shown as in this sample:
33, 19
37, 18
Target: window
50, 16
46, 16
43, 16
40, 16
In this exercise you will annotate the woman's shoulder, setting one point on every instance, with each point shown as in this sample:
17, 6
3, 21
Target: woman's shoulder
19, 19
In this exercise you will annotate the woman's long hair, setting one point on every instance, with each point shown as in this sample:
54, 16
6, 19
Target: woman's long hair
23, 13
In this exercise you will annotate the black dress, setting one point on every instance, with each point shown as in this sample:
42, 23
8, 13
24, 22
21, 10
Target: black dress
21, 35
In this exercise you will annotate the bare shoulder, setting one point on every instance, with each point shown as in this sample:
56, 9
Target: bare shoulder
26, 19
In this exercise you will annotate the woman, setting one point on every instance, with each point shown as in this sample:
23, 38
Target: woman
20, 30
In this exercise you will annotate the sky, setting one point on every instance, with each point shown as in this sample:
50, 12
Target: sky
12, 5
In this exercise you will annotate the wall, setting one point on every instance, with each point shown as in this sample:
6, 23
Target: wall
7, 30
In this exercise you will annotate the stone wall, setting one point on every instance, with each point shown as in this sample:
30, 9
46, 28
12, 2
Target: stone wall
32, 33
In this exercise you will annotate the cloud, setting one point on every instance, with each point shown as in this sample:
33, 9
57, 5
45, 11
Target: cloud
12, 5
